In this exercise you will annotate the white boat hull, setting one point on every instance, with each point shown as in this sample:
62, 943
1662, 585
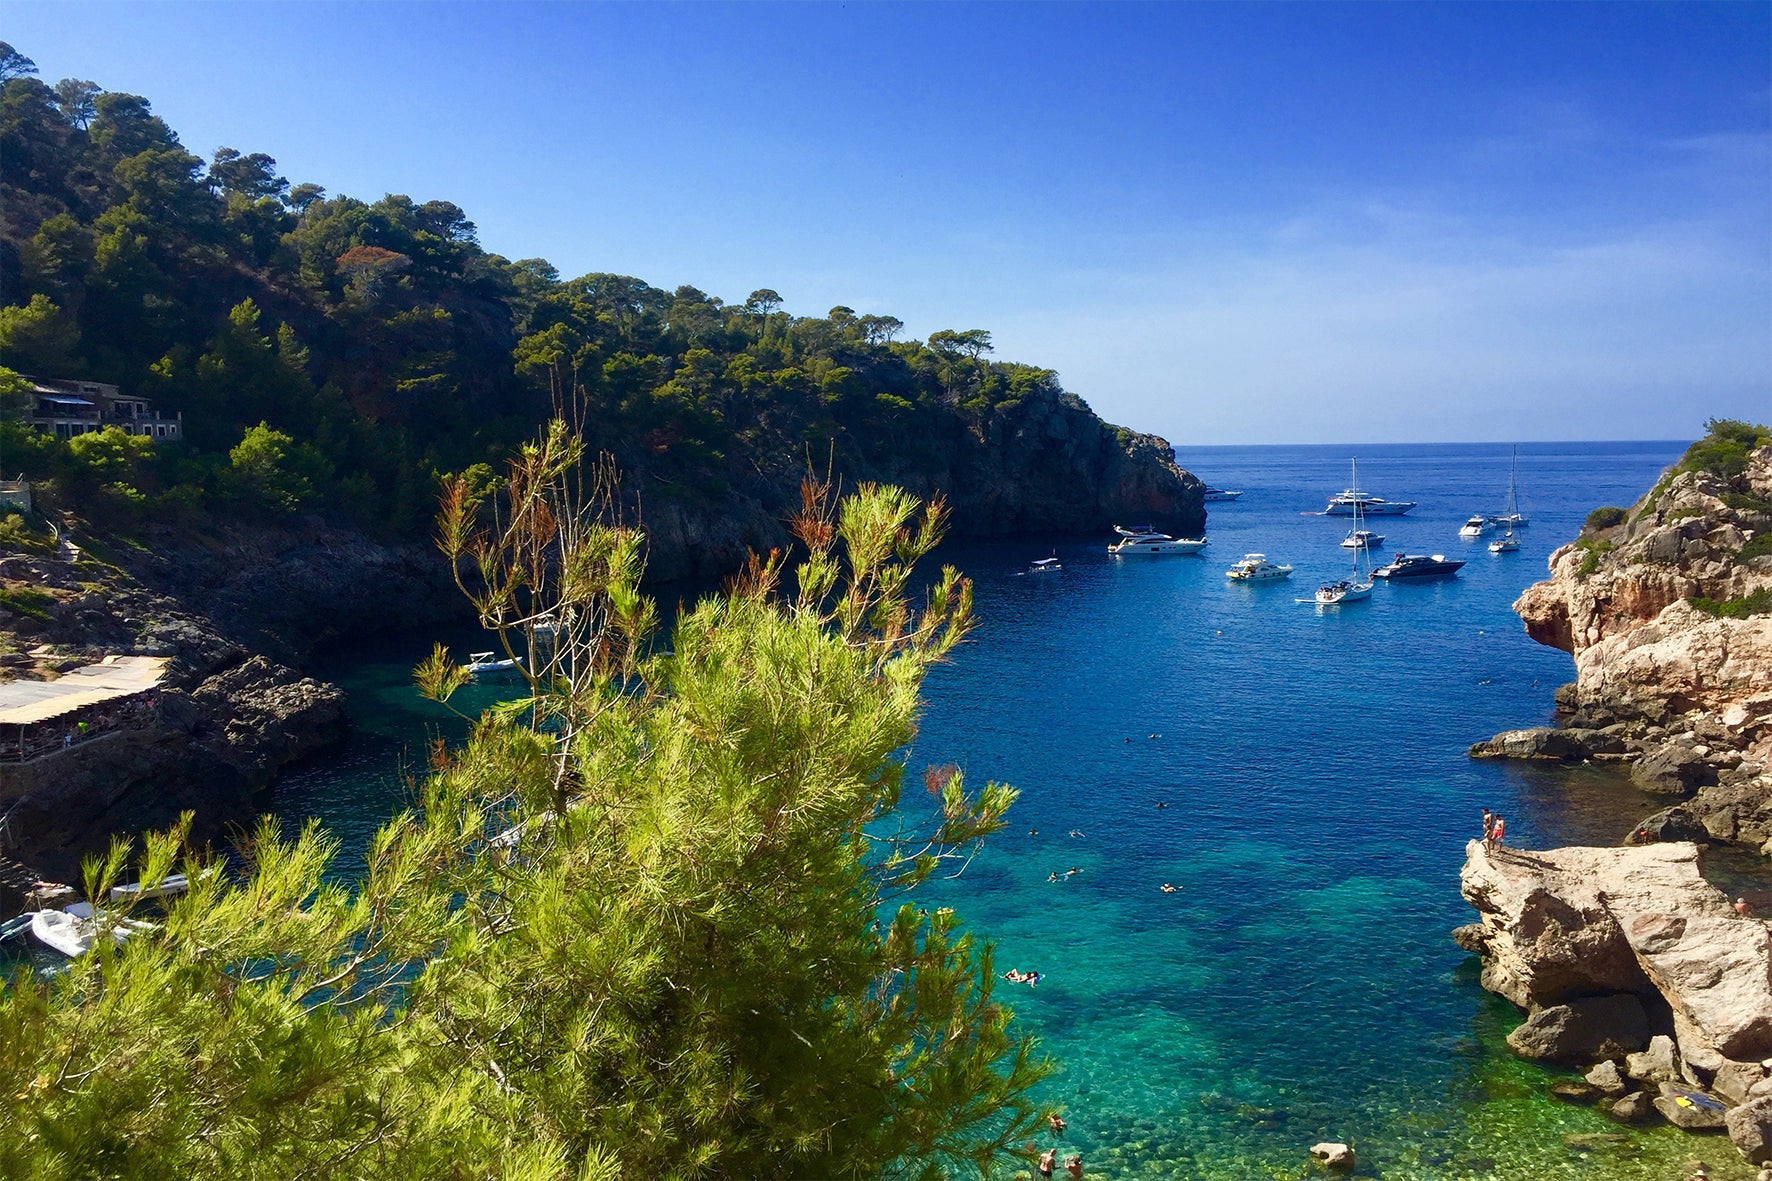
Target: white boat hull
1383, 508
1336, 596
74, 934
1178, 546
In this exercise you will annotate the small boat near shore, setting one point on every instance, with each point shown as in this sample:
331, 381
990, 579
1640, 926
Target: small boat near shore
1143, 539
1221, 494
481, 665
1256, 568
75, 930
1045, 565
1405, 566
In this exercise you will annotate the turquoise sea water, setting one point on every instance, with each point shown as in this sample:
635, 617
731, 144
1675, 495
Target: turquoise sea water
1301, 985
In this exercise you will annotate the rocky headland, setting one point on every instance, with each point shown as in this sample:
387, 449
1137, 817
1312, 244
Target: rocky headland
1662, 606
1628, 964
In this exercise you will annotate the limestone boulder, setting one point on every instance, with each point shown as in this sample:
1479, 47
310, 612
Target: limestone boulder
1633, 1108
1657, 1064
1583, 1031
1691, 1109
1750, 1128
1333, 1154
1607, 1079
1673, 769
1539, 742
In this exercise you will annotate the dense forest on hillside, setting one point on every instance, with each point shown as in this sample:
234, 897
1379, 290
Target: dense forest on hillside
331, 354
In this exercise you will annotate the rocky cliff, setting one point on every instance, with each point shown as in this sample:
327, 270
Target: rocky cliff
1628, 962
1663, 607
236, 611
1044, 463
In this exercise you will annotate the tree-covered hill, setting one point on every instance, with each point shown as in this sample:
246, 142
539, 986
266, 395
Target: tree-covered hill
378, 344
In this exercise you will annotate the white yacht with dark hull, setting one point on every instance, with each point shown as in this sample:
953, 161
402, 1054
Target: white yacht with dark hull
1220, 494
1405, 566
1144, 539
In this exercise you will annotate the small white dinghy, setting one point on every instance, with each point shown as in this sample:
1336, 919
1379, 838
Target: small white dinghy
172, 884
482, 665
73, 931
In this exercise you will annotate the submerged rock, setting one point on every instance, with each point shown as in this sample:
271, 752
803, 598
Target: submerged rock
1574, 1091
1333, 1154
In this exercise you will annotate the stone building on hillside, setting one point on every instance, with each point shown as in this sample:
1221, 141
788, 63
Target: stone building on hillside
69, 408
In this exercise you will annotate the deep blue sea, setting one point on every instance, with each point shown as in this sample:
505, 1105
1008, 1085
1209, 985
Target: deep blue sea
1301, 984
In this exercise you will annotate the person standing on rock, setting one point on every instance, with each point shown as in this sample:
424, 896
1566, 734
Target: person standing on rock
1488, 824
1497, 834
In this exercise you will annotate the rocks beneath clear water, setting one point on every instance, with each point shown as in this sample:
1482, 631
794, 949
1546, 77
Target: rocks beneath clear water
1574, 1091
1333, 1154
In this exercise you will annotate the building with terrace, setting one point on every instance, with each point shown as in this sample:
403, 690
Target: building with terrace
69, 408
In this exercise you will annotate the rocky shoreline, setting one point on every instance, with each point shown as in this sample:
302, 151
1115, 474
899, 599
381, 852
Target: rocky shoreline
1678, 694
239, 609
1634, 969
1628, 964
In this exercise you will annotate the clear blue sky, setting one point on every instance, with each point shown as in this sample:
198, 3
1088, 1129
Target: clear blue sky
1222, 223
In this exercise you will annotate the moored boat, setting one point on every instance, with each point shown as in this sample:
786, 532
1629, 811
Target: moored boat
1143, 539
1220, 494
1256, 568
1347, 502
1475, 527
1353, 588
1419, 566
1045, 565
1362, 539
481, 666
74, 931
1505, 544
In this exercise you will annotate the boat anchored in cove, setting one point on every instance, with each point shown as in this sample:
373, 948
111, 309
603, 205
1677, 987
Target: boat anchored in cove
1256, 568
1144, 539
1353, 588
1405, 566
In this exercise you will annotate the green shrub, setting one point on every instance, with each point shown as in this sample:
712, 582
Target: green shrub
16, 533
1757, 603
27, 600
1758, 546
1590, 555
1604, 518
1746, 503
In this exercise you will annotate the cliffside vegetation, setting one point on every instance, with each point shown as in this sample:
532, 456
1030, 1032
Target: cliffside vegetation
656, 921
333, 354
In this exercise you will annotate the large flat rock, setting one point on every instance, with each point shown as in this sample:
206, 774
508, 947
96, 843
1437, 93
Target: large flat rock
1566, 923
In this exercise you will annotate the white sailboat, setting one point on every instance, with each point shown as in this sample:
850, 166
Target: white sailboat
1513, 518
1353, 588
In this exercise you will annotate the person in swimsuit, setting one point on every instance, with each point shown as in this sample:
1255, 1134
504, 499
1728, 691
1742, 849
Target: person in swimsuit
1498, 834
1057, 1122
1046, 1160
1074, 1166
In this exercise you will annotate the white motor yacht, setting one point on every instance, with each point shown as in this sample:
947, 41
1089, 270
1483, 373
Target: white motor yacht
1045, 565
1362, 539
1256, 568
1220, 494
1474, 528
1343, 504
1143, 539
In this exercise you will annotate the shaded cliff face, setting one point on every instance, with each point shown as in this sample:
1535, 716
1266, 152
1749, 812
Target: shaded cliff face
1045, 464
